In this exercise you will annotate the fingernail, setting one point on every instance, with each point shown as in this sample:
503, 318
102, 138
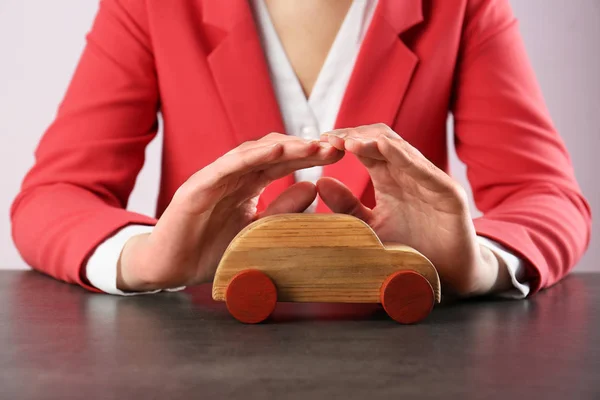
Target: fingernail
325, 145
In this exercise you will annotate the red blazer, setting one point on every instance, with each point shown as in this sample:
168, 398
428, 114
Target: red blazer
200, 64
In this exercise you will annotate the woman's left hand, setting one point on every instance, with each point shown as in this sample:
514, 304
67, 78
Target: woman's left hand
418, 205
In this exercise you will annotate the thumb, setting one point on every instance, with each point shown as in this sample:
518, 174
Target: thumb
341, 200
294, 199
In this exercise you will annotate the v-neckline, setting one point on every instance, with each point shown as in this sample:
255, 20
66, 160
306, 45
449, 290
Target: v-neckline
323, 104
338, 47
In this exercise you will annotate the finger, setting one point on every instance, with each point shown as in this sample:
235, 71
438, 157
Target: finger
404, 157
325, 156
335, 141
366, 131
400, 154
376, 130
360, 140
221, 176
276, 136
363, 147
340, 199
244, 161
341, 133
272, 137
299, 149
294, 199
208, 185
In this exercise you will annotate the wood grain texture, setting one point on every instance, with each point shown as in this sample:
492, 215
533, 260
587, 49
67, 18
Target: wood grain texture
319, 258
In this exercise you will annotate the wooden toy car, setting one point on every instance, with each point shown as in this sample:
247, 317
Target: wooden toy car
322, 258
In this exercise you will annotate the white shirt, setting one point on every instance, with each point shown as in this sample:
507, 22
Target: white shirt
302, 117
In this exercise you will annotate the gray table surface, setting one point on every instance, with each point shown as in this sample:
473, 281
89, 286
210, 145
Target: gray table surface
58, 341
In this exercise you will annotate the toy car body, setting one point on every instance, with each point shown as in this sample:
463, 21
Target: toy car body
322, 258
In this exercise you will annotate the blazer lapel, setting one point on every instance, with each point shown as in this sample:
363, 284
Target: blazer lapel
379, 81
241, 75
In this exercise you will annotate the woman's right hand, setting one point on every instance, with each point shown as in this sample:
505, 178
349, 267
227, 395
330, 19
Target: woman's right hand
212, 206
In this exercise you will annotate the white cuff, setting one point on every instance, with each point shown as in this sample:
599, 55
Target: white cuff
101, 268
516, 269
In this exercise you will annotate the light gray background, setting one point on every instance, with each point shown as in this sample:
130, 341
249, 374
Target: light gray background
40, 43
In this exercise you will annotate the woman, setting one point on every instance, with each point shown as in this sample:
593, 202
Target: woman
226, 74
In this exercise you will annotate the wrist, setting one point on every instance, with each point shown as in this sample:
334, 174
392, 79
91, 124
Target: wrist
495, 272
129, 278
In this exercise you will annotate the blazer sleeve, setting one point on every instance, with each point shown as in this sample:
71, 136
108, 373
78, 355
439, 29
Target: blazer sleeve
519, 169
86, 163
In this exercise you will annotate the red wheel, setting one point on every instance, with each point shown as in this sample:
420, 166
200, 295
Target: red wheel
251, 296
407, 297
